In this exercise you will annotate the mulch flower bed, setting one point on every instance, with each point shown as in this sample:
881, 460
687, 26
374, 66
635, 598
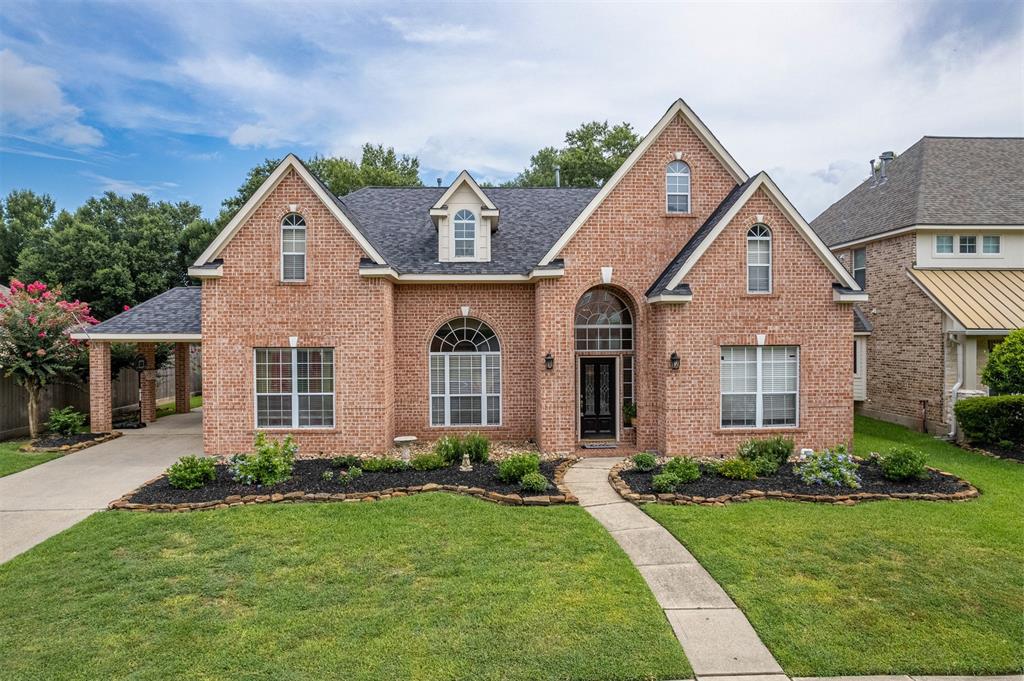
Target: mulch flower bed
306, 484
68, 443
712, 489
997, 452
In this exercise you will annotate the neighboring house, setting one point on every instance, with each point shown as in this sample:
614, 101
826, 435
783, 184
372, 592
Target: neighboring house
936, 237
682, 285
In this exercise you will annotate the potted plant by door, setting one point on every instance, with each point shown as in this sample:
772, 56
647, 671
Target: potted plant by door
628, 414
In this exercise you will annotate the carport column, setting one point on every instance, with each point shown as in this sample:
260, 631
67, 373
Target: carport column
182, 378
100, 410
148, 382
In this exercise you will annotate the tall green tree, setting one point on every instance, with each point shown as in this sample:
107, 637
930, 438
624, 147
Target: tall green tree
592, 153
23, 216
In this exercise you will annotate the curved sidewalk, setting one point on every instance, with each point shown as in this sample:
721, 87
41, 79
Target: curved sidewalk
714, 633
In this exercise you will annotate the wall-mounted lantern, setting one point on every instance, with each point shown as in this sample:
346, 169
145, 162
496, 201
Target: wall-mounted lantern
673, 361
549, 361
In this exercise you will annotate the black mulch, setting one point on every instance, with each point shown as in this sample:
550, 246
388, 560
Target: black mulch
306, 478
1016, 453
55, 441
711, 484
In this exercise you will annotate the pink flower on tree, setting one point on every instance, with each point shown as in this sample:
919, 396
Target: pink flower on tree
126, 308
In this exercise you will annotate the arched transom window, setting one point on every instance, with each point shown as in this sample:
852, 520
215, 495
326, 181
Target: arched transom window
759, 259
465, 234
677, 187
293, 248
603, 322
465, 375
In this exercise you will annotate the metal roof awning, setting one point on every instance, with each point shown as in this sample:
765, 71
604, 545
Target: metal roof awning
174, 316
978, 300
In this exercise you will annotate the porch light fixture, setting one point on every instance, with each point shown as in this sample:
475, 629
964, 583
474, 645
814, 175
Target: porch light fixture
549, 362
673, 361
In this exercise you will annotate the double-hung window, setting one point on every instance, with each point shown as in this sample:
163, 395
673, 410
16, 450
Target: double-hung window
759, 259
677, 187
465, 375
294, 388
860, 266
465, 234
759, 386
293, 248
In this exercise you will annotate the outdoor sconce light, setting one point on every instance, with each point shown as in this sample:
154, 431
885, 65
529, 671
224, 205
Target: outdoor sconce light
673, 361
549, 362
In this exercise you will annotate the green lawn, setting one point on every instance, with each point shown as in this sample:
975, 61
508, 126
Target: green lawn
882, 587
167, 408
426, 587
12, 461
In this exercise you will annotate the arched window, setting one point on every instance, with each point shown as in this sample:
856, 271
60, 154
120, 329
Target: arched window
677, 187
759, 259
465, 375
603, 322
465, 234
293, 248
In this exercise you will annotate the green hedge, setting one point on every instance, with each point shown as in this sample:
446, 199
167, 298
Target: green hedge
992, 419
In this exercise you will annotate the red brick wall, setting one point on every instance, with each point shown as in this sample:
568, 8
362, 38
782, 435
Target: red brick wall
250, 307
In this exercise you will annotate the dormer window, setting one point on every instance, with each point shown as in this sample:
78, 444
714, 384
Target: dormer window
465, 234
677, 187
293, 248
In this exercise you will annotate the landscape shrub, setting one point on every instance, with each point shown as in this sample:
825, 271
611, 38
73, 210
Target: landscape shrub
903, 463
449, 448
477, 446
663, 483
765, 466
830, 467
645, 461
515, 467
190, 472
271, 462
346, 477
327, 476
533, 482
1004, 371
346, 461
684, 468
737, 469
985, 420
382, 465
66, 421
427, 462
772, 452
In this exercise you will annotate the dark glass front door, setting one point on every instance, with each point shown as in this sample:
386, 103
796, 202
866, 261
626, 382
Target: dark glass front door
597, 397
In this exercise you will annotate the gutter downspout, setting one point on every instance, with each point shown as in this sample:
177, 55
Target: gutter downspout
956, 386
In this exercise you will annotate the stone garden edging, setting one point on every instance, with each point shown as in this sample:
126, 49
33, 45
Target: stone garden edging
564, 496
72, 448
985, 452
627, 493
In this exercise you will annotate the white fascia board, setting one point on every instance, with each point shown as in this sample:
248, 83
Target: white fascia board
389, 273
853, 297
378, 272
706, 136
465, 178
861, 333
138, 337
987, 332
670, 298
206, 272
913, 228
291, 162
790, 212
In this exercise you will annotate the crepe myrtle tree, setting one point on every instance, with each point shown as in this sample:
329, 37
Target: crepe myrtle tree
36, 347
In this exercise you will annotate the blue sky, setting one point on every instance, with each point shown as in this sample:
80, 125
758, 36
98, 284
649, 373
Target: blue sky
179, 99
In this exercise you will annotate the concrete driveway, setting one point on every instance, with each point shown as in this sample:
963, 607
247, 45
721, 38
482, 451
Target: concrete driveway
39, 502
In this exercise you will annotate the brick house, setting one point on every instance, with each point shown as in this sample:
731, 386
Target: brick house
683, 288
936, 238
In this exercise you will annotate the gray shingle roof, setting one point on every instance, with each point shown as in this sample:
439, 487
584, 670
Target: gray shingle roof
860, 322
173, 311
937, 181
397, 222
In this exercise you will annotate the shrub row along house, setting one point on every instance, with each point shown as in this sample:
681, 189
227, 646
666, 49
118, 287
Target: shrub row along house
936, 237
683, 288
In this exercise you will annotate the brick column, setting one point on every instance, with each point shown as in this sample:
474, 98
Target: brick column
148, 382
182, 378
100, 406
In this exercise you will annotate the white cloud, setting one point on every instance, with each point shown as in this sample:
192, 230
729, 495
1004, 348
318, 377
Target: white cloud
121, 186
432, 33
32, 101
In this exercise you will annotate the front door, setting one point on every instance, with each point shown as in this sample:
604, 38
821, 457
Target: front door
597, 397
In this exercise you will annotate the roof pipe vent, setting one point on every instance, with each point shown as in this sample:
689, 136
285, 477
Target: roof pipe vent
439, 182
558, 176
873, 178
885, 158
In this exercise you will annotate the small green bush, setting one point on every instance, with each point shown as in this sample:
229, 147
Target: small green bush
345, 461
190, 472
986, 420
346, 477
327, 476
383, 465
903, 463
270, 464
427, 462
515, 467
776, 449
644, 461
683, 468
477, 446
737, 469
664, 482
449, 448
66, 421
534, 482
1004, 371
765, 466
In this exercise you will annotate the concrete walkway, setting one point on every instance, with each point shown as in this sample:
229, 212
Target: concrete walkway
715, 635
39, 502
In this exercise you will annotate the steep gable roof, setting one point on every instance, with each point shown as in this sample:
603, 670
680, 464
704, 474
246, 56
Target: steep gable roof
937, 181
464, 178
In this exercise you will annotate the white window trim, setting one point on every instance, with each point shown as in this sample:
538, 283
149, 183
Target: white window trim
294, 392
771, 282
853, 265
979, 246
304, 254
999, 241
455, 241
759, 395
687, 194
485, 390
